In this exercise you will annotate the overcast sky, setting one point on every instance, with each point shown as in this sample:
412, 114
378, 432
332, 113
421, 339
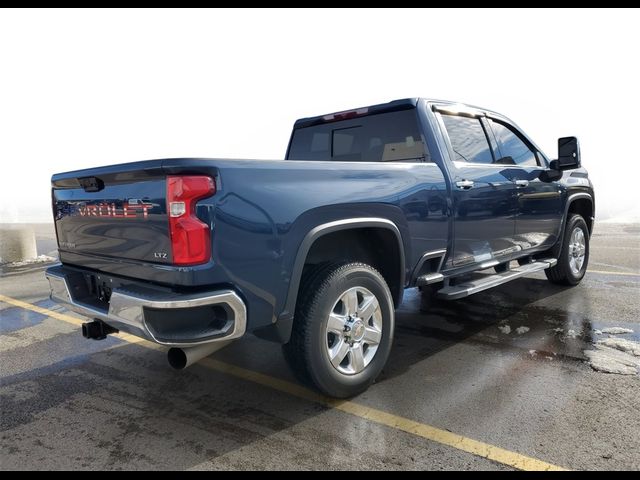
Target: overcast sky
86, 88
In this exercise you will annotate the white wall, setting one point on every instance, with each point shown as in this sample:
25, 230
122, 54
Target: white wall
85, 88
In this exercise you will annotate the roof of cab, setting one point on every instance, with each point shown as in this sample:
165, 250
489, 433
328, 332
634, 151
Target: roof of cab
394, 106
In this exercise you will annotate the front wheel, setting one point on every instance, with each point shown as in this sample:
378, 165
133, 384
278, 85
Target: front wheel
574, 254
343, 329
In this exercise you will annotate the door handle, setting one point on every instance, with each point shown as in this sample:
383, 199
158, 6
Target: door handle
522, 183
464, 184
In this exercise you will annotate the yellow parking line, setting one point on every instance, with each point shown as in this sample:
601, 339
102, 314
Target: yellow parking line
63, 317
606, 272
428, 432
469, 445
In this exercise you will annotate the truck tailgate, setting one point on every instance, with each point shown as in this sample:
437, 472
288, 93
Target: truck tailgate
111, 212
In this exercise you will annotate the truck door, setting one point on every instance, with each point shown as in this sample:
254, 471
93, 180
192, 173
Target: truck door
538, 203
484, 201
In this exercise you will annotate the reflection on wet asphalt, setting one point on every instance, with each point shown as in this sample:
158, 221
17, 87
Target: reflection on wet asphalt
548, 330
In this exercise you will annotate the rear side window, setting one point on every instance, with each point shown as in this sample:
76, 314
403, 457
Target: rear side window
468, 139
512, 148
386, 137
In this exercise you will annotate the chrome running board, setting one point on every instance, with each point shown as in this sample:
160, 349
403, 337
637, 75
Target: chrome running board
453, 292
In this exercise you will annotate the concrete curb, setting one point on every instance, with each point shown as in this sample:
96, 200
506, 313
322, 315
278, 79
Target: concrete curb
17, 244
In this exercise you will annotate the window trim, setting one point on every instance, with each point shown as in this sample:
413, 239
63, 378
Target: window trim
490, 135
445, 135
516, 131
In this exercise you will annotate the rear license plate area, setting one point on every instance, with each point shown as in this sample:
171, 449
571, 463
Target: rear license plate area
98, 290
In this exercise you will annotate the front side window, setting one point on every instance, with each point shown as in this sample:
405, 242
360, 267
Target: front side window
468, 139
513, 149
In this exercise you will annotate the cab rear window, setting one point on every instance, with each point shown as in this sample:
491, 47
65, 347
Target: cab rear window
385, 137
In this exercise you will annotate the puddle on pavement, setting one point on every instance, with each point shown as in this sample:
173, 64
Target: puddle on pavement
541, 333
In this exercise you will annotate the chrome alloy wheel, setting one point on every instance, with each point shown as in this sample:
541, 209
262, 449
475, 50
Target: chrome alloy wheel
354, 331
577, 250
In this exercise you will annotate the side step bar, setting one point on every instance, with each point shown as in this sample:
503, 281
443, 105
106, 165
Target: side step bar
453, 292
429, 278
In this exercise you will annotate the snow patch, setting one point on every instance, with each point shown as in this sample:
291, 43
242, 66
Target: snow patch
558, 330
572, 334
616, 330
533, 353
597, 332
506, 329
522, 330
38, 259
608, 360
626, 346
615, 355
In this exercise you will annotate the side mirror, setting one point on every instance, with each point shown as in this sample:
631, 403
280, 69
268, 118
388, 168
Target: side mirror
568, 154
550, 175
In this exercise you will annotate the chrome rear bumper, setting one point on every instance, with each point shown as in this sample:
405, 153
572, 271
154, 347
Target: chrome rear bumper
167, 318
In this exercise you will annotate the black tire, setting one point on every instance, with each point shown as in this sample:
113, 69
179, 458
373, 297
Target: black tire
562, 273
306, 351
290, 349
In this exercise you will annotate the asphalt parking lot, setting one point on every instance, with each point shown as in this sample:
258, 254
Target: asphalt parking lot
461, 390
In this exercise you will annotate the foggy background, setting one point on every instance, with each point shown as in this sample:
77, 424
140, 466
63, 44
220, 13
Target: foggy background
82, 88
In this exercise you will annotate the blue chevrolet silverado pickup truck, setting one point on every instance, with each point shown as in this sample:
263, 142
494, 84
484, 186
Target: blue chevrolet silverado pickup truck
315, 251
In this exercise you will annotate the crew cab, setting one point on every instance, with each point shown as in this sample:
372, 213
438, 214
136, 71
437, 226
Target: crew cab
315, 251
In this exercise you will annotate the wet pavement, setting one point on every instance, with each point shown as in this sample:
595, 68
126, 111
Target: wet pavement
69, 403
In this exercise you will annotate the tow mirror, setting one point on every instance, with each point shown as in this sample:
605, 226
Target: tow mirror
568, 154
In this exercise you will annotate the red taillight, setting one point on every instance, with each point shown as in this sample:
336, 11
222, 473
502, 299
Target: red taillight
190, 237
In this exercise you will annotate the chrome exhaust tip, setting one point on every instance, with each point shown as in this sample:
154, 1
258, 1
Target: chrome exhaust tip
181, 358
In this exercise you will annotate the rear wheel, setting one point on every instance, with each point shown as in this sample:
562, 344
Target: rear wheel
574, 254
343, 329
